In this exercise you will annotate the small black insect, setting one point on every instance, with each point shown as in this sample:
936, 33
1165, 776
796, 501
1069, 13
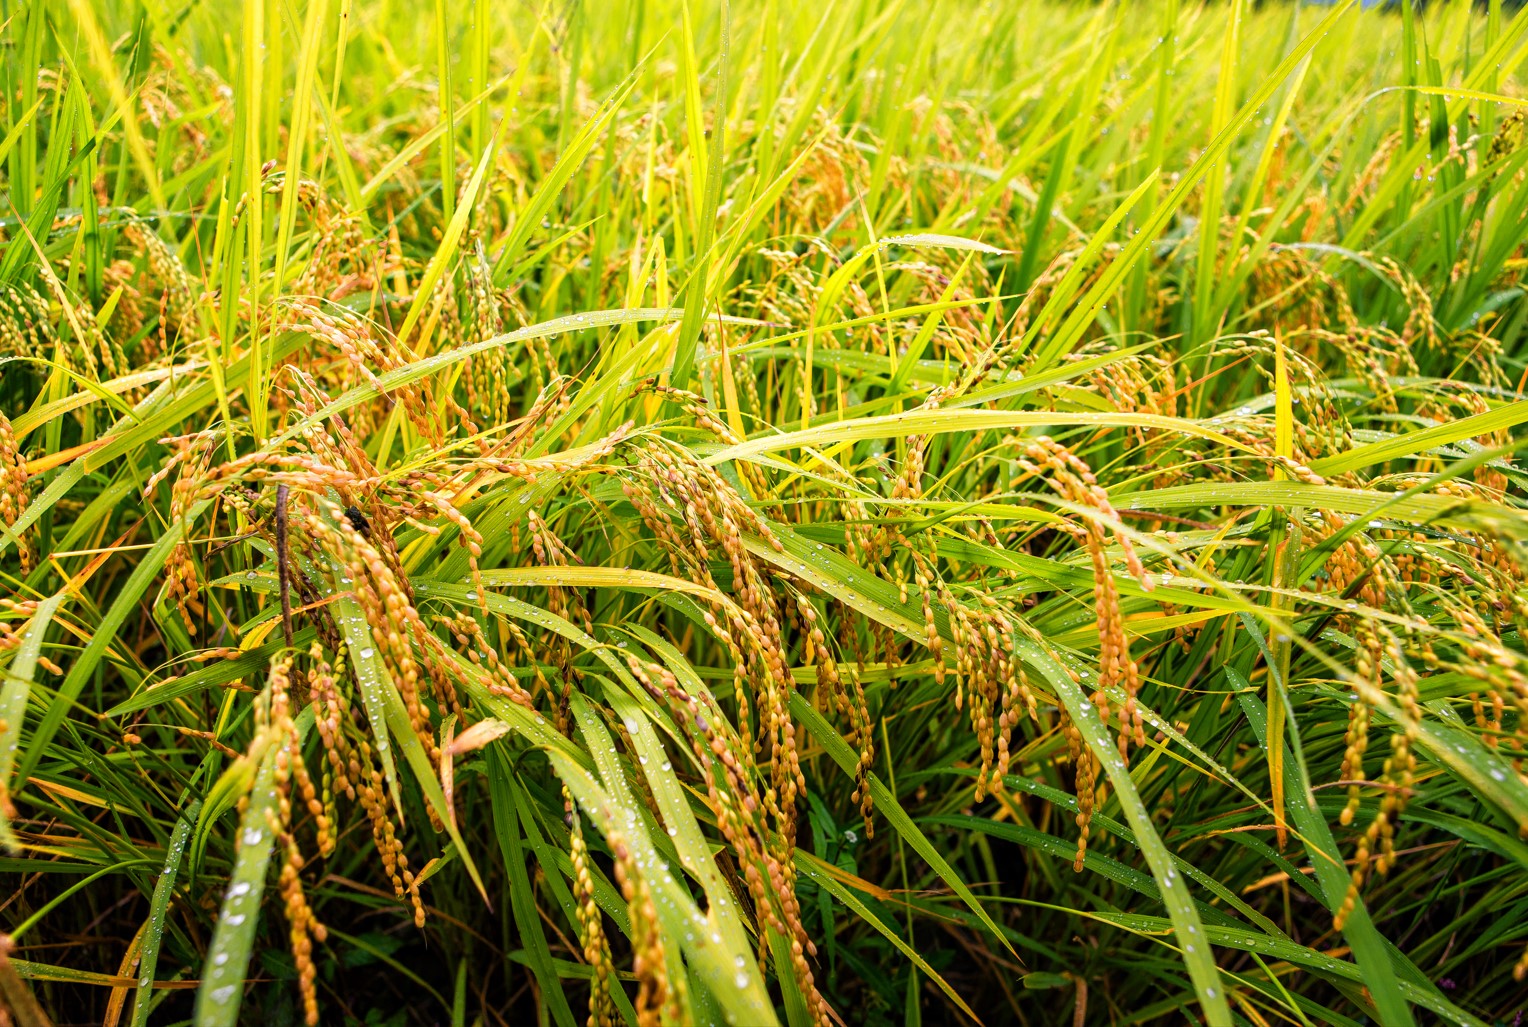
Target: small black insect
358, 521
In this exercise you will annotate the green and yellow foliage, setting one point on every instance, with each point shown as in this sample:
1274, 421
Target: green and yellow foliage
868, 512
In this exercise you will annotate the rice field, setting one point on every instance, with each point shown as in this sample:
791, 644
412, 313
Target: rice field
677, 513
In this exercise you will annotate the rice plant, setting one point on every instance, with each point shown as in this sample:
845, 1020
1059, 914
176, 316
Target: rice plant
699, 513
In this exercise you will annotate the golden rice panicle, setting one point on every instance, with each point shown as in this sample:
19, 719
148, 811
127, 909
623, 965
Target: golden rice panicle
1320, 425
1445, 403
850, 705
923, 574
1378, 357
473, 640
550, 551
468, 538
657, 1002
1483, 657
700, 511
26, 326
101, 353
331, 713
596, 949
523, 647
332, 443
1074, 480
352, 766
488, 372
1017, 690
373, 794
700, 412
304, 927
1400, 768
14, 497
192, 456
27, 330
979, 666
1085, 766
1379, 647
1133, 383
343, 258
764, 855
1295, 291
394, 622
1421, 326
177, 289
1355, 744
1357, 568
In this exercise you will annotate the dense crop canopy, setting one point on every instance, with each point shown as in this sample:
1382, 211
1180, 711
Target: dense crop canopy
862, 512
